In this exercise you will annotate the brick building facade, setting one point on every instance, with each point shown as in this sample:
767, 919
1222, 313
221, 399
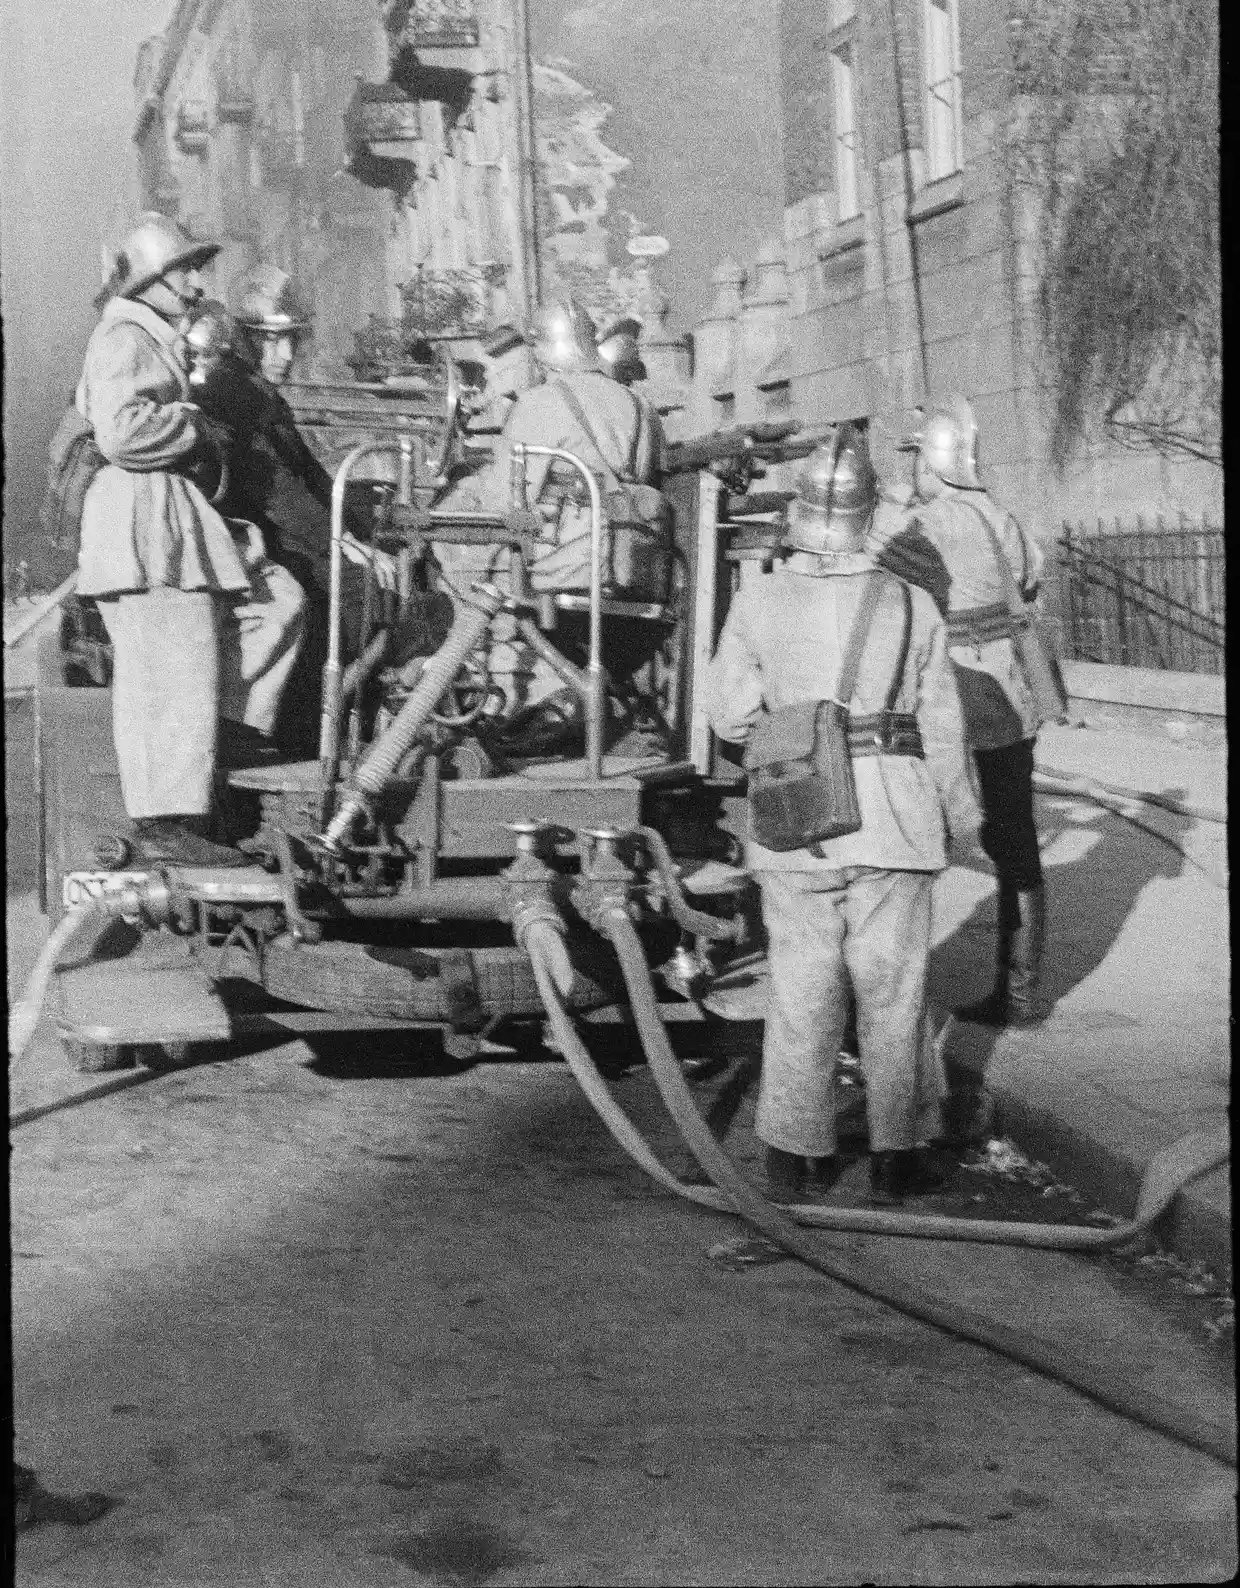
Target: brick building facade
904, 264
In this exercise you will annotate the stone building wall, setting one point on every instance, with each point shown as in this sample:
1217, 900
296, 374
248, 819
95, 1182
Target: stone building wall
859, 316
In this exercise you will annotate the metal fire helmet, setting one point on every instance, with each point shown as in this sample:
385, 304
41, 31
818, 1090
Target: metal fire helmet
947, 442
564, 338
157, 245
207, 336
836, 493
619, 351
265, 299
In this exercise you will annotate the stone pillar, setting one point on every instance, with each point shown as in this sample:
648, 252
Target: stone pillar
668, 360
763, 329
715, 350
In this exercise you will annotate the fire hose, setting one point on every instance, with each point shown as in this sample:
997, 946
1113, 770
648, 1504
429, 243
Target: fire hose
1183, 1161
1127, 803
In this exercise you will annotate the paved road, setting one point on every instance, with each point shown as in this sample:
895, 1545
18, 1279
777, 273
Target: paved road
344, 1322
361, 1316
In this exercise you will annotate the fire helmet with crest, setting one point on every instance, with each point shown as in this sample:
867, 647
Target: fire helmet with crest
620, 353
946, 442
836, 493
265, 299
564, 338
208, 334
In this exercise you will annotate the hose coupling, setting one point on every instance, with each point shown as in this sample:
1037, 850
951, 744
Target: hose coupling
528, 909
606, 882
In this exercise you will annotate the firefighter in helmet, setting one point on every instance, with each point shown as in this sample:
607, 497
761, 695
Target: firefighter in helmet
968, 531
204, 628
579, 408
239, 359
853, 911
619, 436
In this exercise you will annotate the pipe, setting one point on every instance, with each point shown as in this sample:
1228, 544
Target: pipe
595, 690
461, 899
25, 1015
695, 921
567, 672
377, 770
1107, 1388
35, 616
360, 669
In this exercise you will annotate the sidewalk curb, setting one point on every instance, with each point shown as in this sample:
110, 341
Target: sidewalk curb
1106, 1163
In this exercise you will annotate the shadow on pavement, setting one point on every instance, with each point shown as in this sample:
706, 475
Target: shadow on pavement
1089, 901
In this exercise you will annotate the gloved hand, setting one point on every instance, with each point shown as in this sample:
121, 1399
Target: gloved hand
207, 464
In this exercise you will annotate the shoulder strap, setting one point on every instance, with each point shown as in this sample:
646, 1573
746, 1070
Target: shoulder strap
897, 677
569, 398
1011, 590
635, 448
857, 637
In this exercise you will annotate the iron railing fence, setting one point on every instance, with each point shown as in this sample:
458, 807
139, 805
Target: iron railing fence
1144, 597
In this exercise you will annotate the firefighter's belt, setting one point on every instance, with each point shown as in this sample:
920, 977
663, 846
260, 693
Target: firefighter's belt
885, 733
980, 625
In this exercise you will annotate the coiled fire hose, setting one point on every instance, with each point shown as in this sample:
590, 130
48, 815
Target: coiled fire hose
732, 1193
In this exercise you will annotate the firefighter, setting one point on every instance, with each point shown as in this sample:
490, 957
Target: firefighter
618, 435
202, 625
619, 352
578, 407
852, 912
276, 480
1000, 710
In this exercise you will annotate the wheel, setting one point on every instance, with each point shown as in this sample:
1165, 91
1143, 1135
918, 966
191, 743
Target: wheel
96, 1058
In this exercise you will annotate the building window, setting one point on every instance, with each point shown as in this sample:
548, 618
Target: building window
843, 84
943, 140
725, 410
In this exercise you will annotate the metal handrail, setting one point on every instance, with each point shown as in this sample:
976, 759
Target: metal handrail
329, 720
594, 693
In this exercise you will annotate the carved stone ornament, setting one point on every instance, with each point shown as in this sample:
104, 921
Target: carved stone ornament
382, 113
431, 24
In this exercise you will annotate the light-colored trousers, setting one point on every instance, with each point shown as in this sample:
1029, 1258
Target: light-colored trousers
830, 931
181, 660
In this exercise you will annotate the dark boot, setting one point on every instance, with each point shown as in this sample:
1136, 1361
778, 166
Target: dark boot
180, 841
896, 1175
785, 1175
992, 1010
241, 746
822, 1173
1025, 966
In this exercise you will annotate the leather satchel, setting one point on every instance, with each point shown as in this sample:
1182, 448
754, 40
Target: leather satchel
802, 790
1035, 655
73, 460
638, 530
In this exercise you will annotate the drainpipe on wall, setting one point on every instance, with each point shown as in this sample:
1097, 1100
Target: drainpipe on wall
909, 195
527, 204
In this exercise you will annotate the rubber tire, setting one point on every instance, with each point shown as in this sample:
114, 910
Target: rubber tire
341, 976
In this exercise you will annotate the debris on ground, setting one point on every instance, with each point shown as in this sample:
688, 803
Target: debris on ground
746, 1251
